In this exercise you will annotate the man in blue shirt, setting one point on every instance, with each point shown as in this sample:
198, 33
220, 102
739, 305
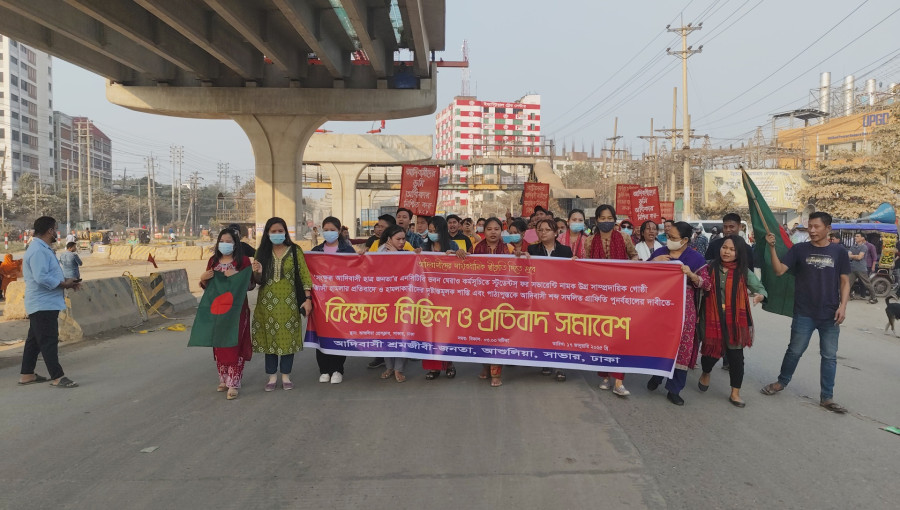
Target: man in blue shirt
44, 285
821, 291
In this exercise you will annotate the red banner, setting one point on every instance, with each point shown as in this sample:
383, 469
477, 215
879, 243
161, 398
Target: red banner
623, 199
535, 194
667, 210
645, 205
419, 189
621, 316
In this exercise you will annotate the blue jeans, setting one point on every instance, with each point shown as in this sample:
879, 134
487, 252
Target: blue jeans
801, 332
286, 363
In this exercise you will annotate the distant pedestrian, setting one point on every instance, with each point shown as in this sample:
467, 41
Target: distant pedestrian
822, 288
71, 237
284, 301
70, 262
858, 266
44, 286
699, 243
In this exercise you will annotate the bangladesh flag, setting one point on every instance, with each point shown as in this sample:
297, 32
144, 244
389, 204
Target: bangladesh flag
219, 312
780, 288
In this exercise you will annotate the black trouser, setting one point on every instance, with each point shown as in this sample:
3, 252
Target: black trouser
863, 276
43, 339
330, 363
735, 359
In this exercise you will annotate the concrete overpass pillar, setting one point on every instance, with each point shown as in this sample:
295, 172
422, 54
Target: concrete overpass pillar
343, 191
278, 142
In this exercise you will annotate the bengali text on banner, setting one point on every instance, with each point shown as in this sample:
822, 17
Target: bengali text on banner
621, 316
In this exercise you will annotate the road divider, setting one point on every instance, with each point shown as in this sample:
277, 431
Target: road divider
120, 252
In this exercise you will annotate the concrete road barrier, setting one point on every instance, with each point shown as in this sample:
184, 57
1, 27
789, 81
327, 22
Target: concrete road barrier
15, 302
142, 251
104, 304
190, 253
120, 252
102, 251
166, 254
177, 290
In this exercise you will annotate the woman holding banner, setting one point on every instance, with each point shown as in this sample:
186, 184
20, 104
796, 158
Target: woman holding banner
331, 366
727, 319
694, 267
228, 259
439, 241
492, 245
574, 237
393, 240
548, 246
610, 244
284, 301
648, 243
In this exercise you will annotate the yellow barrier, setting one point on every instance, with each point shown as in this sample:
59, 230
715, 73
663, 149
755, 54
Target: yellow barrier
190, 253
120, 252
101, 251
15, 302
166, 254
141, 252
208, 251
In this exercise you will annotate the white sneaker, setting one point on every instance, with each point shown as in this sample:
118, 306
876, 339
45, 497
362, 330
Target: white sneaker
621, 391
336, 378
604, 384
324, 378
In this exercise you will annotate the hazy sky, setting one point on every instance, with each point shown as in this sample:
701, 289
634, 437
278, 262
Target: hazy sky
590, 61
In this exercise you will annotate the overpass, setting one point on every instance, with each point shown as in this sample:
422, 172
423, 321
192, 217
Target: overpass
279, 68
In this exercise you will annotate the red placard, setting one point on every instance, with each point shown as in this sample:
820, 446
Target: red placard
645, 205
623, 198
535, 194
667, 210
419, 189
622, 316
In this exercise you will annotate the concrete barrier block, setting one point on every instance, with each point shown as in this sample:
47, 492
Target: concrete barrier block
177, 290
102, 251
15, 302
190, 253
166, 254
104, 304
141, 252
120, 252
208, 251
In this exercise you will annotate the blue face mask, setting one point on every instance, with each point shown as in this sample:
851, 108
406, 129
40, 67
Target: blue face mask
433, 237
276, 238
226, 248
331, 235
576, 227
627, 231
511, 238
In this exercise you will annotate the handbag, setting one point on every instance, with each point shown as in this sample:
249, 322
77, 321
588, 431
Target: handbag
298, 291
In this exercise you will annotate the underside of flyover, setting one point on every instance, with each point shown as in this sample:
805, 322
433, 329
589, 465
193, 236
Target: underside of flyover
279, 68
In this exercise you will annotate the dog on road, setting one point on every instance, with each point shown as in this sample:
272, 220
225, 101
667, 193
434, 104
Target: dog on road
893, 313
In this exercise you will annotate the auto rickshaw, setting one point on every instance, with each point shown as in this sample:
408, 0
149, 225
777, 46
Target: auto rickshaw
884, 237
138, 235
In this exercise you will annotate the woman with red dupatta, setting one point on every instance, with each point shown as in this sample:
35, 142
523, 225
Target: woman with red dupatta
574, 237
229, 259
610, 244
492, 245
727, 320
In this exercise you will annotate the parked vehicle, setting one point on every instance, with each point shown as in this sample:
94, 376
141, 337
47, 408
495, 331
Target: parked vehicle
883, 235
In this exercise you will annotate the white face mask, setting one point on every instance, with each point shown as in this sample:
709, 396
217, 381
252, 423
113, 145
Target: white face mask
673, 245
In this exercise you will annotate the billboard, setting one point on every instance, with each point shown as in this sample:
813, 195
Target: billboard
778, 187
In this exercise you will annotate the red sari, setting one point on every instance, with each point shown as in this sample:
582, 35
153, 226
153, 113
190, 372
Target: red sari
230, 360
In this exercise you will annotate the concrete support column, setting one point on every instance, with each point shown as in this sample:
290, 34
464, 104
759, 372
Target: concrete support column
278, 142
343, 192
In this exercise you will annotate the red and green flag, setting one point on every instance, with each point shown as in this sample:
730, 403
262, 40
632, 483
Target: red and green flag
219, 312
780, 288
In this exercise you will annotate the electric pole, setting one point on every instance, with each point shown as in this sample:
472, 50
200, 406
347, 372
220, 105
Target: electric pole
149, 161
81, 150
90, 165
684, 54
177, 159
615, 171
223, 175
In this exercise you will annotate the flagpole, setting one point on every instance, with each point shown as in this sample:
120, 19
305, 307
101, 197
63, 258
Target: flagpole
746, 177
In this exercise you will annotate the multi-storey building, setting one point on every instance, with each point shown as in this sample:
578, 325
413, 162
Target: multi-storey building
26, 106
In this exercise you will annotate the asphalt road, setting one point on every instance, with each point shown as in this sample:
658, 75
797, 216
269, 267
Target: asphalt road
367, 443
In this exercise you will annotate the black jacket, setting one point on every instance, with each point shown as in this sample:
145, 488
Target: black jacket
561, 250
344, 246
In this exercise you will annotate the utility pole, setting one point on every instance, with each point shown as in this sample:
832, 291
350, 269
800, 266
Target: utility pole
674, 138
223, 175
149, 161
80, 171
177, 159
615, 170
127, 209
68, 196
90, 165
684, 54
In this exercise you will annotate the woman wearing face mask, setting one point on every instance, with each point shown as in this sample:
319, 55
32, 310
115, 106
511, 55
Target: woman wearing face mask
331, 365
394, 240
439, 241
229, 259
694, 266
513, 236
479, 228
281, 272
728, 322
628, 229
610, 244
492, 245
648, 243
574, 237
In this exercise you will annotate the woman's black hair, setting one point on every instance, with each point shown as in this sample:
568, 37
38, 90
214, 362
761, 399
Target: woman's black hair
264, 252
605, 207
440, 227
685, 230
493, 219
573, 211
644, 226
334, 221
388, 233
520, 224
237, 253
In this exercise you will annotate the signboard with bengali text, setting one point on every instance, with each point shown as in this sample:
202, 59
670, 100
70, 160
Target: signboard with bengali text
419, 189
645, 205
623, 199
535, 194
